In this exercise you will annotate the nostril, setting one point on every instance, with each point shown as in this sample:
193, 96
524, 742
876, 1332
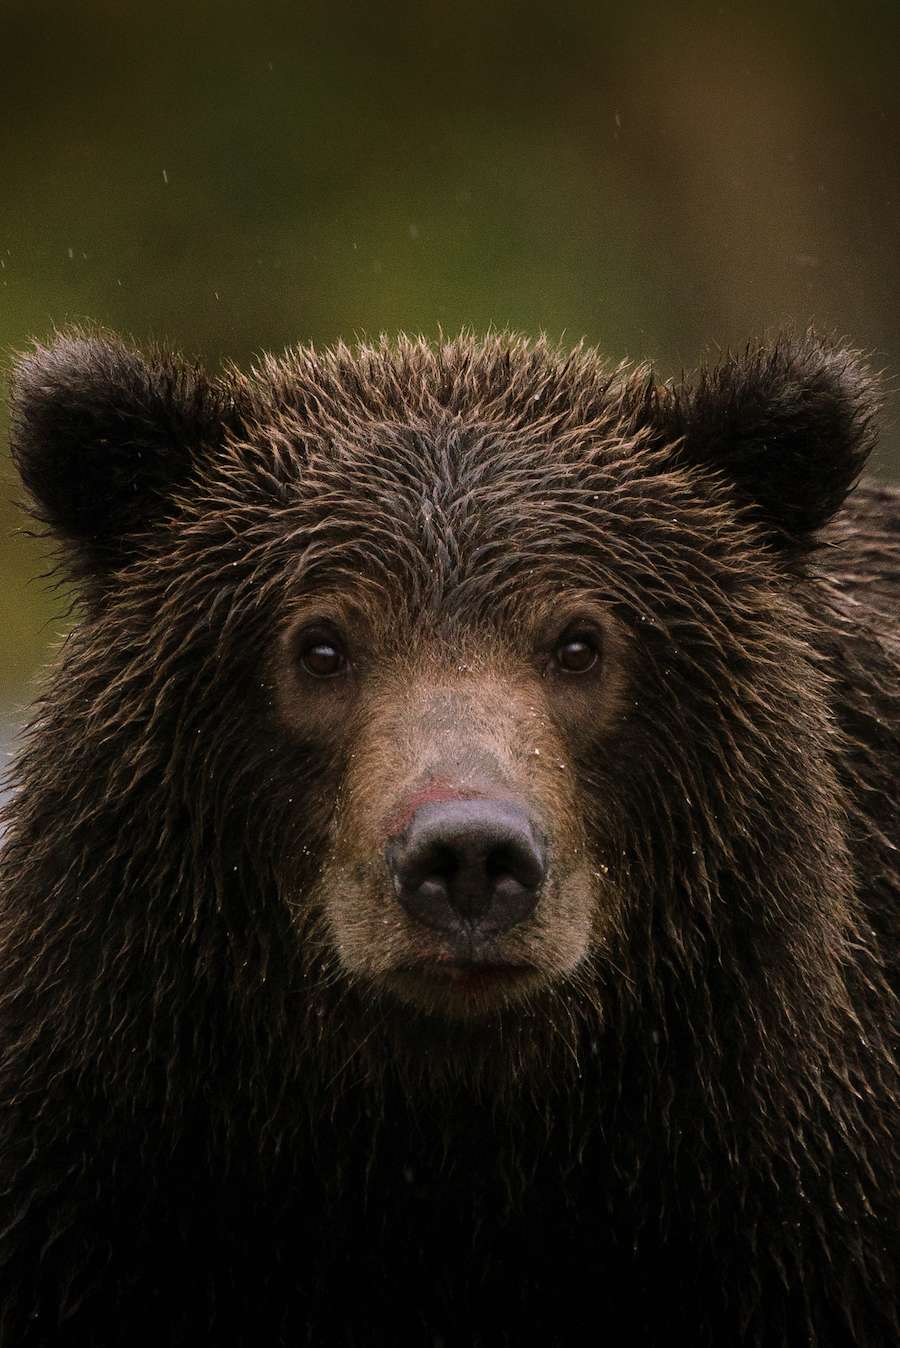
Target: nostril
433, 864
470, 862
433, 893
507, 889
522, 865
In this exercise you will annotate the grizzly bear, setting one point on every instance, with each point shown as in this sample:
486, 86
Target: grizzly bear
450, 881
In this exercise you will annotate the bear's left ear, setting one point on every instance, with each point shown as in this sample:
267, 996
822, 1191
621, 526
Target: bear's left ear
103, 435
790, 425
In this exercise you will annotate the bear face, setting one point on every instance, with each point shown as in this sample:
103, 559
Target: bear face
448, 680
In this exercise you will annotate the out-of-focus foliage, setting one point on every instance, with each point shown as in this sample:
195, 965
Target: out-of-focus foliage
660, 178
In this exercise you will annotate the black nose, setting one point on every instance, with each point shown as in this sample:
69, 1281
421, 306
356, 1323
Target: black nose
467, 863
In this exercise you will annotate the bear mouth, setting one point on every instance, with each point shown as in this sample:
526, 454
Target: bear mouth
462, 986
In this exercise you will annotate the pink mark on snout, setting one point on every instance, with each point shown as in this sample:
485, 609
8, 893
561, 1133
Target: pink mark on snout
438, 788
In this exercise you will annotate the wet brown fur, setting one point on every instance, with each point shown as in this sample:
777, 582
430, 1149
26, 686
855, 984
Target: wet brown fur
226, 1117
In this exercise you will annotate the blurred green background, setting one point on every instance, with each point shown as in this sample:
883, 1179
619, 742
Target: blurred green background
664, 179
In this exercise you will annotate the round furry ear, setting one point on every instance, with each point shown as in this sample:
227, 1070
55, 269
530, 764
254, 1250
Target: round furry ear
790, 424
102, 435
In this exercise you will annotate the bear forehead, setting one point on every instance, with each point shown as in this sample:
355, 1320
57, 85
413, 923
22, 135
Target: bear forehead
459, 513
457, 430
435, 479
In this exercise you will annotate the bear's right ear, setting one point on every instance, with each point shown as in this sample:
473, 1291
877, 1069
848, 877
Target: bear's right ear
102, 435
790, 424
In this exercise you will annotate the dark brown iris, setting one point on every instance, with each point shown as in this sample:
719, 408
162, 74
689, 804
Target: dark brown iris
323, 659
577, 654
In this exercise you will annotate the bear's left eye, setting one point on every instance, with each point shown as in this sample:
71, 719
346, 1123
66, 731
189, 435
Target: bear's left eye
323, 657
577, 653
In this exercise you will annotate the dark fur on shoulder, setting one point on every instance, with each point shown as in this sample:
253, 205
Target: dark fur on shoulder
247, 1096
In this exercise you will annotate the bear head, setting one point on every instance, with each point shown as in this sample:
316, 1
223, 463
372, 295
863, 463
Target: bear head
436, 685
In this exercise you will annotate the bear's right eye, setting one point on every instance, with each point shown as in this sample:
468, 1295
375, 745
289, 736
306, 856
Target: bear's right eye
322, 657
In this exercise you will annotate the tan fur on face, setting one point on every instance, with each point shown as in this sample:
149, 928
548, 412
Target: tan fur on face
470, 722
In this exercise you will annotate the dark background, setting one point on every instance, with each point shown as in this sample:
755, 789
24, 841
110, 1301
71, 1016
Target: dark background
664, 179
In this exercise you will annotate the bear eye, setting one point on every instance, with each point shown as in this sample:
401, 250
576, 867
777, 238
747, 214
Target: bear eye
322, 656
577, 652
